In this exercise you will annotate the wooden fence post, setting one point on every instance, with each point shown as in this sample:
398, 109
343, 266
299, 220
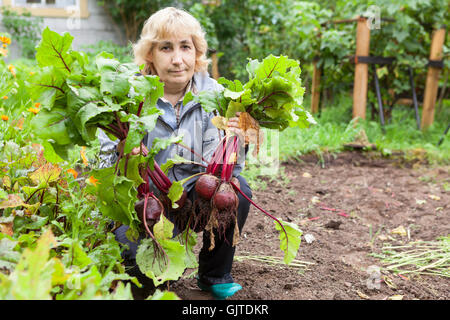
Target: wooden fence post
315, 88
214, 65
432, 82
361, 69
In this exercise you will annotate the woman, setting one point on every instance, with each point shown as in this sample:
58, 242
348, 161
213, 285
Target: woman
172, 46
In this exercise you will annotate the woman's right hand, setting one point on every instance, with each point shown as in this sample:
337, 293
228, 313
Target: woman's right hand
133, 152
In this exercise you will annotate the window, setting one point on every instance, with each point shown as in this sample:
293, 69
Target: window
45, 3
50, 8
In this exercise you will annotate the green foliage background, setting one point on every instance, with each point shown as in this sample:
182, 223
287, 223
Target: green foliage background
80, 258
302, 30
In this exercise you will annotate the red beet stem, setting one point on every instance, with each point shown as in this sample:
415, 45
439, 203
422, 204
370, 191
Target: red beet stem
217, 158
261, 209
228, 166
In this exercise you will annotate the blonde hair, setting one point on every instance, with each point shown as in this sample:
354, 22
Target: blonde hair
163, 24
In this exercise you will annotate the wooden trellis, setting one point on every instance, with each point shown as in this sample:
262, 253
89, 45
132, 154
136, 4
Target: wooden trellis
432, 82
361, 78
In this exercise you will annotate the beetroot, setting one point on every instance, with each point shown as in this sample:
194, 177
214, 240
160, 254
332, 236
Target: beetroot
206, 186
152, 208
215, 209
225, 197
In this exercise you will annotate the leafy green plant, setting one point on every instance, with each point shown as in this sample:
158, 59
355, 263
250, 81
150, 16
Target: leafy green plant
77, 98
122, 53
41, 191
272, 98
23, 27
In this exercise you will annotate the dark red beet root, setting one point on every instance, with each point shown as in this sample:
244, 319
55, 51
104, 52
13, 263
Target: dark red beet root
225, 197
206, 186
152, 212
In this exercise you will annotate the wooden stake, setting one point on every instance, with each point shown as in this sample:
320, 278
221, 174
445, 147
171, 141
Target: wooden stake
215, 66
315, 89
432, 82
361, 69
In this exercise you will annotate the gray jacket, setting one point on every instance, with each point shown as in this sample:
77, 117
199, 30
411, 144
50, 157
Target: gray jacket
198, 133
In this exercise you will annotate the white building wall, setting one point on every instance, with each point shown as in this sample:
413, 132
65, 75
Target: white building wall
98, 26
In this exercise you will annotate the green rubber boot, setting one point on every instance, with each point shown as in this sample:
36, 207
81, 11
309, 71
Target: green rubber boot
220, 291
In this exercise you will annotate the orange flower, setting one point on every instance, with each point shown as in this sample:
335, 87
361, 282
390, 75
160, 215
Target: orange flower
32, 73
33, 110
73, 172
37, 105
5, 40
83, 156
5, 97
93, 181
5, 117
12, 69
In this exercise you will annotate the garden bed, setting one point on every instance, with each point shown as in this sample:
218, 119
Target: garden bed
353, 204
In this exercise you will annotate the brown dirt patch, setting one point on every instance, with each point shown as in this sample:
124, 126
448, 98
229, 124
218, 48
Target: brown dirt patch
373, 196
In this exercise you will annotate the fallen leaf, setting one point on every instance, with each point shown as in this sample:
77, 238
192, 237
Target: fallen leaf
420, 202
400, 231
307, 175
389, 282
362, 295
315, 200
433, 197
303, 222
396, 297
309, 238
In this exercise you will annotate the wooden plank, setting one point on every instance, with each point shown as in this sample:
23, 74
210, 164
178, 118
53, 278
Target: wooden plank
361, 69
315, 89
215, 66
432, 82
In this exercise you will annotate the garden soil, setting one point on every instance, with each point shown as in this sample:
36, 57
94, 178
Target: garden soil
350, 205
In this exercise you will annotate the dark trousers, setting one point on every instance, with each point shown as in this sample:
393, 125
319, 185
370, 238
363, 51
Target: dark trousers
214, 266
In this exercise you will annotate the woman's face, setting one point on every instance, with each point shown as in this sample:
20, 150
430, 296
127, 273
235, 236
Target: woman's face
174, 60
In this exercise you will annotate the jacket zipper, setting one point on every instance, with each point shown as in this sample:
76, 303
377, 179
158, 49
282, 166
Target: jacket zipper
179, 120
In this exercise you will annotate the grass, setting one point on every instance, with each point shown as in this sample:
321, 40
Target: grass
421, 257
302, 266
335, 128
